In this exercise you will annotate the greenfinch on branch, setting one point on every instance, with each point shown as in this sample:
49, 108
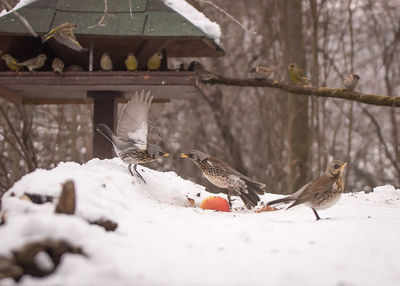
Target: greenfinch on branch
297, 75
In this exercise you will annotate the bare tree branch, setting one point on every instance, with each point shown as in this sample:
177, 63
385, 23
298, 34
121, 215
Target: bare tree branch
372, 99
20, 17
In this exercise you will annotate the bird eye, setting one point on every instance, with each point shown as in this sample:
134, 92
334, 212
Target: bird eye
336, 166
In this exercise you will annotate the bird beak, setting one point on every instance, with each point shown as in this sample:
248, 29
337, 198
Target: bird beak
184, 155
344, 165
166, 154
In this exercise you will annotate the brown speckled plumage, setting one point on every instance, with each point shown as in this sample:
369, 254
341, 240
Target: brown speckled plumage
321, 193
224, 176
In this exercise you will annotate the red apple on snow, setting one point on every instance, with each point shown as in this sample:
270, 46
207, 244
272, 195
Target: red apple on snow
215, 203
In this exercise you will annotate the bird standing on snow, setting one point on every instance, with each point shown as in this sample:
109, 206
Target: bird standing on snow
12, 63
58, 65
131, 62
35, 63
351, 81
154, 62
132, 142
224, 176
297, 75
106, 62
321, 193
64, 34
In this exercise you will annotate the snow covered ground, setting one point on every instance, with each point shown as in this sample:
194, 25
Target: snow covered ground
161, 240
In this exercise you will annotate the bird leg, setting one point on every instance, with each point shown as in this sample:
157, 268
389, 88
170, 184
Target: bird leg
136, 172
316, 214
229, 198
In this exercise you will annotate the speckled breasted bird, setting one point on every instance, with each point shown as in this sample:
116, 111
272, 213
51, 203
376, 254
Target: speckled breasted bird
201, 71
64, 34
263, 72
297, 75
12, 63
35, 63
106, 62
131, 62
134, 141
154, 62
57, 65
224, 176
321, 193
351, 81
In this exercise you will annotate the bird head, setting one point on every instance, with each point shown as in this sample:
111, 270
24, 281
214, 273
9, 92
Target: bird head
335, 168
292, 66
195, 65
156, 152
6, 57
158, 55
195, 155
355, 77
42, 57
254, 70
160, 154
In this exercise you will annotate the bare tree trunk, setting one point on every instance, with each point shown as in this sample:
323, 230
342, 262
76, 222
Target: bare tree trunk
298, 130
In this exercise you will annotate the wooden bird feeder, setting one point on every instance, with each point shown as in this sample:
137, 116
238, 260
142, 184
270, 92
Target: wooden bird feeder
139, 26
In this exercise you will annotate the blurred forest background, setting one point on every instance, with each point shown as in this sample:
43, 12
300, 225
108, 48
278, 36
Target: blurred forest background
280, 139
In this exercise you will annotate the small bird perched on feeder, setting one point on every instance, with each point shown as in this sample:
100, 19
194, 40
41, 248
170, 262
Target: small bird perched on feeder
57, 65
64, 34
262, 72
106, 62
351, 81
131, 62
200, 70
224, 176
321, 193
35, 63
154, 62
133, 142
297, 75
12, 63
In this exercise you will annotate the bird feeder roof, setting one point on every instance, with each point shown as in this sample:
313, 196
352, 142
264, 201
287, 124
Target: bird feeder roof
189, 32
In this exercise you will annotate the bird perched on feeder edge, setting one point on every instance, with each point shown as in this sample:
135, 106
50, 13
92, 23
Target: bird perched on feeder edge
134, 142
224, 176
64, 34
131, 62
106, 62
200, 70
154, 62
350, 82
321, 193
12, 63
57, 65
297, 75
263, 72
35, 63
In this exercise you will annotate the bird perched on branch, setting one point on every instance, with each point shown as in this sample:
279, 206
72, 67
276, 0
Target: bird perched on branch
154, 62
57, 65
12, 63
262, 72
200, 70
224, 176
351, 81
297, 75
131, 62
106, 62
35, 63
135, 142
64, 34
321, 193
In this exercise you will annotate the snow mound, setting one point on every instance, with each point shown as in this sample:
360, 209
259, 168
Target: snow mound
160, 240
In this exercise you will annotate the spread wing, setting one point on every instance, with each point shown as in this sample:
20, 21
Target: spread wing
153, 136
133, 120
69, 40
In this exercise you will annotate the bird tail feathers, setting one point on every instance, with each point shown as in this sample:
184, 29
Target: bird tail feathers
285, 200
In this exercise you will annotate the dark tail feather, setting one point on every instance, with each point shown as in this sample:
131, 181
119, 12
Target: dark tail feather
256, 187
284, 200
250, 199
105, 131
